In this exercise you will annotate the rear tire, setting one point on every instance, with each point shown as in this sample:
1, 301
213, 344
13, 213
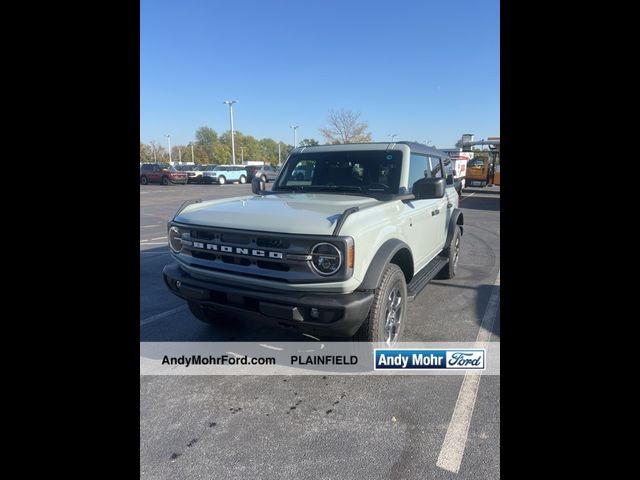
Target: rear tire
243, 179
222, 180
453, 252
144, 180
207, 316
387, 316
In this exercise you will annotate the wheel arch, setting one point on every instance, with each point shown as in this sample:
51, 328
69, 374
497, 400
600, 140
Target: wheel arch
392, 251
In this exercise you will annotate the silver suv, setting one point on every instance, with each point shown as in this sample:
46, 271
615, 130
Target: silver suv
345, 239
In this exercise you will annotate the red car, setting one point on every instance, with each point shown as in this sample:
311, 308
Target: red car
161, 173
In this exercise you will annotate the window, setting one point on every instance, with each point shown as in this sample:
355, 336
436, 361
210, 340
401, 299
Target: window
146, 168
360, 171
436, 167
418, 168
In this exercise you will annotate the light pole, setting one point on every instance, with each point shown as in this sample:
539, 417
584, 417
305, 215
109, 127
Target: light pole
392, 135
155, 160
192, 157
241, 154
295, 138
169, 140
233, 146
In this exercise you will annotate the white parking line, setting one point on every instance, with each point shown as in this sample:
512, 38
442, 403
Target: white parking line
153, 318
455, 439
159, 238
150, 226
153, 243
468, 196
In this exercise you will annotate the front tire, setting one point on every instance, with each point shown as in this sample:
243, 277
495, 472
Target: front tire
264, 179
222, 180
165, 180
243, 179
387, 316
453, 252
144, 180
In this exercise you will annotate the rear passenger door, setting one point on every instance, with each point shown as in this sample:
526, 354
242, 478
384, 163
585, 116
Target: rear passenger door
439, 213
451, 192
421, 230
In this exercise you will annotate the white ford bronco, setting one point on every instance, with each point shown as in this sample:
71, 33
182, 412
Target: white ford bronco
347, 236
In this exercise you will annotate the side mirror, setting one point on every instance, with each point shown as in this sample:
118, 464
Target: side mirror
429, 188
257, 186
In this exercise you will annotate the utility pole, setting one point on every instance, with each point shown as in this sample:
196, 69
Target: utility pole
192, 157
169, 140
295, 140
233, 146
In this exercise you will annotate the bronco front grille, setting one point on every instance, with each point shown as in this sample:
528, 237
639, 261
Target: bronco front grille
280, 257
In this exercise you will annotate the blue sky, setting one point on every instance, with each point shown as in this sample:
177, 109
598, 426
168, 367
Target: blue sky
423, 69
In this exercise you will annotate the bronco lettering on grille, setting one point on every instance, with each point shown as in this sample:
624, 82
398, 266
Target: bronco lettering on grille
252, 252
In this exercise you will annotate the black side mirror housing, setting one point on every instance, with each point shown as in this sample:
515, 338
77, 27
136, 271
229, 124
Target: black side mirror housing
257, 186
429, 188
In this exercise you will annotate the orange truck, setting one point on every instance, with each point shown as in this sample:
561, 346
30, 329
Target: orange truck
478, 171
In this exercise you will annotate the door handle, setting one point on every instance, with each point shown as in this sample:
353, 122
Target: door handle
435, 212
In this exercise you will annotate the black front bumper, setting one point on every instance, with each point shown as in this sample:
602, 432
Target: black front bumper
337, 314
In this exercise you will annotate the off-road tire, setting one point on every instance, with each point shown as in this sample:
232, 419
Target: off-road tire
452, 251
373, 328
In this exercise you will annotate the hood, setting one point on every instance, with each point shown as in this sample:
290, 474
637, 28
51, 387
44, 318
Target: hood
303, 213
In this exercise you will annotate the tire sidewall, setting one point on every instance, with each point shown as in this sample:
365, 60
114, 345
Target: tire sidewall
222, 180
144, 180
243, 179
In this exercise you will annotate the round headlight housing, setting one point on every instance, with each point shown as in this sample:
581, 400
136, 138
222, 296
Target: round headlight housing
326, 258
175, 239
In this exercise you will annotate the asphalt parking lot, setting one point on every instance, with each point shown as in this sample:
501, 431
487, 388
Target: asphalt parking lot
243, 426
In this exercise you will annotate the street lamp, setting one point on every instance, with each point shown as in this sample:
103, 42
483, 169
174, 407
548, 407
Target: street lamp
192, 157
233, 146
392, 135
169, 140
295, 139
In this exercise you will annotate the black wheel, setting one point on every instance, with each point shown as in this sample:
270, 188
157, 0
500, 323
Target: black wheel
243, 179
165, 180
264, 179
452, 251
222, 180
387, 316
208, 316
144, 180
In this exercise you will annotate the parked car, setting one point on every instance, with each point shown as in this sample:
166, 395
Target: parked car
161, 173
225, 173
395, 225
194, 173
251, 171
267, 173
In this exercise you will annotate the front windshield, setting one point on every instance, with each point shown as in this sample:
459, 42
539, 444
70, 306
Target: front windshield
166, 166
476, 162
355, 171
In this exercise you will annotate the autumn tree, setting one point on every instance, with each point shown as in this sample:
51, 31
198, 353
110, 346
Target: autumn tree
309, 142
344, 126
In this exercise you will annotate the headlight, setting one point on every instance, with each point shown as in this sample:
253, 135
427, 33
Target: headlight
326, 258
175, 239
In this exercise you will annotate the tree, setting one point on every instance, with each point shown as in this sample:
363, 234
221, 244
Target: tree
207, 138
345, 127
309, 142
